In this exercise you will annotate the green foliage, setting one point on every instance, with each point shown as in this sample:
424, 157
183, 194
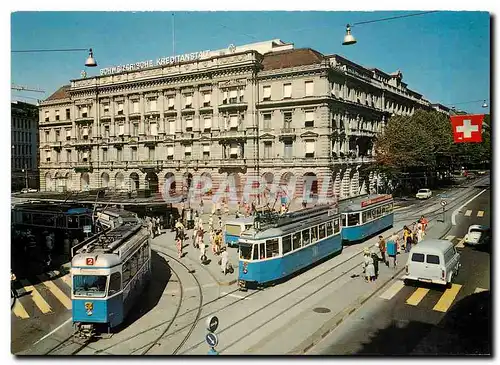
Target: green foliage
424, 141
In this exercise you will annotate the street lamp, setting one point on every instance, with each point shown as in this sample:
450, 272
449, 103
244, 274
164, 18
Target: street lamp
91, 62
484, 104
348, 38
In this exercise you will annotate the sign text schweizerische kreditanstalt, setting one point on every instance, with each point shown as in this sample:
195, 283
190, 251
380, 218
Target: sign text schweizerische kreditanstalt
159, 62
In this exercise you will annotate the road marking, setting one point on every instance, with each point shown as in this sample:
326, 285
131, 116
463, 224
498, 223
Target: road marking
468, 213
447, 298
37, 297
53, 331
417, 296
19, 310
54, 289
480, 213
461, 243
455, 212
479, 290
449, 238
234, 295
67, 279
393, 290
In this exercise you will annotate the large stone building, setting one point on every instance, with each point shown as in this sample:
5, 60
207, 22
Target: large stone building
264, 109
24, 139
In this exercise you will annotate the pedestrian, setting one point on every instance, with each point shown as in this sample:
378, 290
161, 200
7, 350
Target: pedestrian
66, 242
162, 223
179, 237
202, 207
157, 222
410, 238
203, 252
224, 261
49, 244
382, 249
172, 222
424, 223
218, 242
211, 224
392, 249
420, 233
219, 224
150, 226
368, 265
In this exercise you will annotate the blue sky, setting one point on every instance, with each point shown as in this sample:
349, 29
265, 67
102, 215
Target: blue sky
445, 55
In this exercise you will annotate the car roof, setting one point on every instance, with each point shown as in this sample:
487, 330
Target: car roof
432, 246
477, 226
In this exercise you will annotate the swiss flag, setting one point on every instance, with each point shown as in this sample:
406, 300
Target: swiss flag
467, 128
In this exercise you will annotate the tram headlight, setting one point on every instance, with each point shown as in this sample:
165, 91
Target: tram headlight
245, 270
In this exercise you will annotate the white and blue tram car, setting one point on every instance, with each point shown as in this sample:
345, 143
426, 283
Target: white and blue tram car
364, 217
279, 246
109, 272
233, 229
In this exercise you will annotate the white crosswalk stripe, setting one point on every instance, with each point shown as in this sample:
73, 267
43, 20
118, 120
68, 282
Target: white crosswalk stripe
393, 290
450, 238
468, 213
461, 243
480, 213
479, 290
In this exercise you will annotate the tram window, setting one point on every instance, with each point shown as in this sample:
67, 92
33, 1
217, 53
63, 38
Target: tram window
272, 248
353, 219
115, 282
336, 226
322, 231
390, 208
126, 273
133, 266
256, 252
344, 220
146, 252
368, 216
297, 241
89, 285
306, 237
245, 252
287, 244
383, 209
314, 234
379, 212
140, 257
72, 222
329, 229
262, 251
363, 215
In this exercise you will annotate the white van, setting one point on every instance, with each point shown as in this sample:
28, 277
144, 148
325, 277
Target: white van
432, 261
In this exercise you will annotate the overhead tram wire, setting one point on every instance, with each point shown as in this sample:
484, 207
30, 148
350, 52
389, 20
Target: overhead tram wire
393, 17
50, 50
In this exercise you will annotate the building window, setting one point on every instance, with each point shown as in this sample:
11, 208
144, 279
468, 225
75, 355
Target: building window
68, 134
171, 126
287, 120
267, 149
224, 97
267, 121
151, 153
105, 154
68, 155
84, 112
233, 96
187, 151
135, 129
310, 148
242, 95
153, 127
106, 131
57, 114
267, 93
309, 88
68, 114
206, 151
106, 109
206, 99
135, 107
207, 124
287, 91
171, 103
85, 132
121, 129
152, 105
233, 152
120, 109
170, 153
58, 134
233, 122
46, 115
48, 156
119, 154
47, 136
188, 101
309, 119
134, 154
189, 125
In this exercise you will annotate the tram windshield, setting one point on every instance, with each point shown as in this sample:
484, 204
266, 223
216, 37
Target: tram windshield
245, 252
89, 285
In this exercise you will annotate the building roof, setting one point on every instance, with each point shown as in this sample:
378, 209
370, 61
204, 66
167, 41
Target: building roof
61, 93
291, 58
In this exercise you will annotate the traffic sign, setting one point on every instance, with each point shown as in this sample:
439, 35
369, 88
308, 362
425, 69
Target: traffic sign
87, 229
212, 323
443, 203
211, 339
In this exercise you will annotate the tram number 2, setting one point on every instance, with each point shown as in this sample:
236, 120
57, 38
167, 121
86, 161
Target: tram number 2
315, 251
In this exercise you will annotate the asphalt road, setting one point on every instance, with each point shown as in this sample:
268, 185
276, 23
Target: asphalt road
411, 322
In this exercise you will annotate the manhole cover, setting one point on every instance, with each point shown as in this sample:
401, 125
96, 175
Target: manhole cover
321, 310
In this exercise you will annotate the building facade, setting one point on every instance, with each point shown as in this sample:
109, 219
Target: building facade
24, 140
265, 110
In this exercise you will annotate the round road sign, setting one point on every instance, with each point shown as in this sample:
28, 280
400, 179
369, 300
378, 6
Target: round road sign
212, 323
211, 339
443, 203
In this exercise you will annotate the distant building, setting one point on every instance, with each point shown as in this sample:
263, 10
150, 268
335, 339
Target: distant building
24, 140
441, 108
264, 109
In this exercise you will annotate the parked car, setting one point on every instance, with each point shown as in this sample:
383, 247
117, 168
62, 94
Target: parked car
432, 261
424, 194
477, 235
28, 190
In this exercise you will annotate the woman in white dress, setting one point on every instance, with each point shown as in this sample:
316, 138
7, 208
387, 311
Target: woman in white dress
369, 266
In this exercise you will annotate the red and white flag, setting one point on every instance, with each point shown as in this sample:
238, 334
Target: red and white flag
467, 128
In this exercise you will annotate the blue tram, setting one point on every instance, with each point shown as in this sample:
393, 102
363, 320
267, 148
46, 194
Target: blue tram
365, 216
281, 245
233, 229
109, 272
